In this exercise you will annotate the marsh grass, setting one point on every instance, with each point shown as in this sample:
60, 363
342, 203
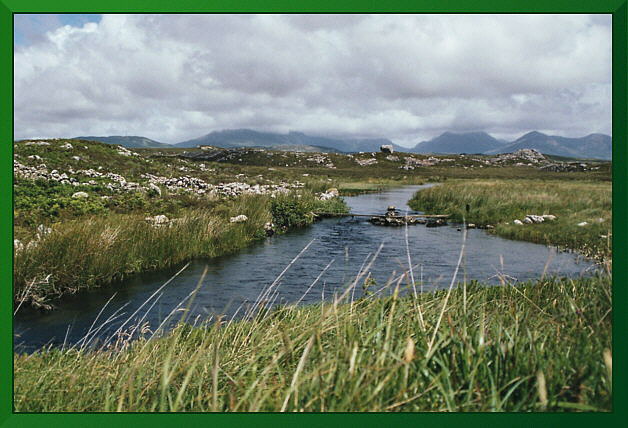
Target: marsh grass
541, 346
96, 251
499, 202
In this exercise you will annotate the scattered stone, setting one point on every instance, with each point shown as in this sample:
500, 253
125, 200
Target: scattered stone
76, 158
329, 194
37, 143
386, 148
518, 222
582, 224
471, 226
154, 188
80, 195
238, 219
269, 228
67, 146
17, 245
549, 217
436, 222
531, 218
158, 220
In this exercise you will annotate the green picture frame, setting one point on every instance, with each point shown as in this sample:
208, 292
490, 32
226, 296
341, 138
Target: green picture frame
619, 10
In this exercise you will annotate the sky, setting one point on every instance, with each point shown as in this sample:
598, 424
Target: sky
404, 77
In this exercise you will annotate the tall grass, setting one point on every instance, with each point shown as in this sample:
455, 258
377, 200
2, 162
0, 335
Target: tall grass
96, 251
543, 346
500, 202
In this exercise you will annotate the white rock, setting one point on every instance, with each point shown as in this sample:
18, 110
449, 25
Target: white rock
238, 219
518, 222
155, 188
584, 223
80, 195
534, 218
76, 158
67, 146
549, 217
528, 220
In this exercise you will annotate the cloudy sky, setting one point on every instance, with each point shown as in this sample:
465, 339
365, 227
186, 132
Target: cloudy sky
404, 77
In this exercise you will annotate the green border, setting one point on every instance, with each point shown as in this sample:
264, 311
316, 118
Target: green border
619, 10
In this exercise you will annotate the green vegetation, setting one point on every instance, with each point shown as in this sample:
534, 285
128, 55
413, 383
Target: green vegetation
95, 251
499, 202
544, 346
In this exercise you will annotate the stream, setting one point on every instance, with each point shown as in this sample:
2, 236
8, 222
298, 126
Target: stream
233, 283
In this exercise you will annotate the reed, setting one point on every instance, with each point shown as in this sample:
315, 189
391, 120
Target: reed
540, 346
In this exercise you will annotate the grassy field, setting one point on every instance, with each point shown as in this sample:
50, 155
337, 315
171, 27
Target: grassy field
543, 346
499, 202
540, 346
95, 251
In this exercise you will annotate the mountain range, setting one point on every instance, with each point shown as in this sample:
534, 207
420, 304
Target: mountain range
130, 141
248, 138
593, 146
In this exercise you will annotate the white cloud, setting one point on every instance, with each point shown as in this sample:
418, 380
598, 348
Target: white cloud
406, 77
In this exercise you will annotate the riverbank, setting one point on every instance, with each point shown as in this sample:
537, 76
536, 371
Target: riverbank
583, 210
95, 251
542, 346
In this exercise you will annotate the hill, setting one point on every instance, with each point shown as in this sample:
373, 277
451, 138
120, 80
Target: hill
453, 143
593, 146
131, 141
233, 138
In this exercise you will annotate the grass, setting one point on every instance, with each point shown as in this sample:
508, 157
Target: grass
542, 346
97, 250
499, 202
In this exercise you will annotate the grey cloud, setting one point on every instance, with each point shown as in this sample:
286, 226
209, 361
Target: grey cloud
407, 77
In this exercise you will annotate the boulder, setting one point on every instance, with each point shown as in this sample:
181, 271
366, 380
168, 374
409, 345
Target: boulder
584, 223
531, 218
518, 222
154, 188
80, 195
386, 148
238, 219
549, 217
158, 220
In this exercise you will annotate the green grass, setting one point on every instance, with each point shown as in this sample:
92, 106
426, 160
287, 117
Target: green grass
543, 346
499, 202
97, 250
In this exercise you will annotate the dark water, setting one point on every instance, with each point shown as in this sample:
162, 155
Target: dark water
233, 283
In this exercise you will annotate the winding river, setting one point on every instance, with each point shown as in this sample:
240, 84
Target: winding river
338, 250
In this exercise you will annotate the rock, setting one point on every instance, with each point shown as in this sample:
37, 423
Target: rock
600, 220
269, 228
67, 146
76, 158
333, 191
158, 220
80, 195
531, 218
436, 222
549, 217
584, 223
17, 245
471, 226
238, 219
154, 188
518, 222
386, 148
